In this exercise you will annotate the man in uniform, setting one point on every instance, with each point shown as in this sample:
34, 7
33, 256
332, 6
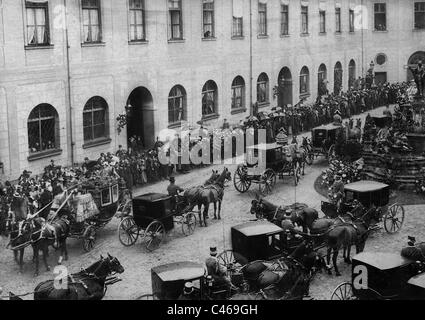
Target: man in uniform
174, 191
337, 190
189, 293
216, 271
337, 118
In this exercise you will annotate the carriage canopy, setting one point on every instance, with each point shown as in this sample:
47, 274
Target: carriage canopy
368, 193
382, 261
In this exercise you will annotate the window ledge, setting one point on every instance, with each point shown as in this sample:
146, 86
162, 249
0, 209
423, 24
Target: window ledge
304, 34
264, 104
285, 35
263, 36
239, 110
175, 125
211, 117
138, 42
322, 33
44, 154
380, 31
209, 39
39, 47
176, 40
351, 32
93, 44
238, 37
418, 29
96, 143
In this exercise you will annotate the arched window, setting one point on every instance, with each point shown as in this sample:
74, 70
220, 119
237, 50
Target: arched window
95, 119
322, 75
338, 78
351, 73
304, 81
238, 93
209, 98
263, 89
177, 104
43, 129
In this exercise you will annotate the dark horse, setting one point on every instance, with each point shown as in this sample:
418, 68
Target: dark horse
204, 195
37, 233
88, 284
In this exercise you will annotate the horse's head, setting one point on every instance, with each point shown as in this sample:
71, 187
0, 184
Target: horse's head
228, 175
114, 265
257, 206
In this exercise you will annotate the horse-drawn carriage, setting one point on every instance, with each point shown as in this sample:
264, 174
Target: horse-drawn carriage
382, 121
374, 198
279, 162
323, 140
168, 282
382, 276
153, 216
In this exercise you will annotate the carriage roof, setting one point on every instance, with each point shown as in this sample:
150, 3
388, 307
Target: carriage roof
418, 280
328, 127
365, 186
257, 228
382, 260
176, 271
152, 197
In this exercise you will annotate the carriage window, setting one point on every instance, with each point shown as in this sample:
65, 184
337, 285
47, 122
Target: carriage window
106, 197
115, 193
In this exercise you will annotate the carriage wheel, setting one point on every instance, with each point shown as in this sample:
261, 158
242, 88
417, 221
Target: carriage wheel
232, 261
268, 182
154, 235
343, 292
128, 232
188, 224
89, 238
394, 218
148, 297
241, 181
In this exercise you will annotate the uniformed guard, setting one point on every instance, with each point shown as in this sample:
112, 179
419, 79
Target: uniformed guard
216, 271
189, 292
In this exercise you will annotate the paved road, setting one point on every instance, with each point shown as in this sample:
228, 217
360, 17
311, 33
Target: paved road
138, 262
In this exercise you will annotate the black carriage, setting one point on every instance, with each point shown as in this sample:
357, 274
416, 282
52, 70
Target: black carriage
373, 196
323, 140
168, 282
382, 121
152, 218
279, 163
382, 276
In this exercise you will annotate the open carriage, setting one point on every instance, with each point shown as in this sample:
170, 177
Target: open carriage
152, 218
372, 195
382, 276
323, 140
278, 163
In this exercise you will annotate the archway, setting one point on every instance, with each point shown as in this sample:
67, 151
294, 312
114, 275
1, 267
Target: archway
338, 78
285, 87
351, 73
140, 122
414, 59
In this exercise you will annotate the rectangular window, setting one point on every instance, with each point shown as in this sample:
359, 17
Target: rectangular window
208, 18
284, 28
262, 18
338, 20
380, 12
304, 19
351, 18
91, 21
419, 15
322, 21
176, 22
137, 20
38, 33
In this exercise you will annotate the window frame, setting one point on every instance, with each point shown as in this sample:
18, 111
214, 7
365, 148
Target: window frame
305, 75
421, 11
265, 81
262, 19
235, 97
170, 11
351, 18
205, 91
322, 23
338, 23
212, 24
89, 108
304, 14
130, 31
284, 12
379, 6
45, 7
98, 8
183, 106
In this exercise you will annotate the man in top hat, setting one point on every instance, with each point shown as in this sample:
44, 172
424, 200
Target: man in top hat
282, 137
189, 293
216, 271
337, 190
174, 191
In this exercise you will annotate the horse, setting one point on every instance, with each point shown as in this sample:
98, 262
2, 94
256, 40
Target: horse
298, 157
265, 209
415, 251
212, 179
88, 284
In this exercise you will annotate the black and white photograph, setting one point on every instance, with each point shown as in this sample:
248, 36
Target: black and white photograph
208, 152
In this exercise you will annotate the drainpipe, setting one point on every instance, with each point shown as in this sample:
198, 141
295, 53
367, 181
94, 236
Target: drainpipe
250, 58
362, 34
68, 69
